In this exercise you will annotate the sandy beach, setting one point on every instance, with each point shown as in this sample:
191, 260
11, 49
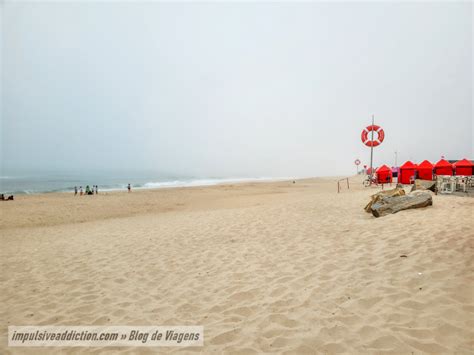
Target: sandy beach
264, 267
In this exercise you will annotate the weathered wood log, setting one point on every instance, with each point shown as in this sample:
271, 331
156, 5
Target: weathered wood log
424, 185
398, 191
388, 205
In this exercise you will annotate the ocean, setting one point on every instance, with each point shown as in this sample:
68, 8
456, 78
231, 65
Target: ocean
44, 183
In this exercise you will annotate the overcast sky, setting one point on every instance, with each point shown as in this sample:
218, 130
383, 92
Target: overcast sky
233, 89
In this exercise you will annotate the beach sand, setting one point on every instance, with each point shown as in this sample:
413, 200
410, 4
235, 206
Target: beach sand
264, 267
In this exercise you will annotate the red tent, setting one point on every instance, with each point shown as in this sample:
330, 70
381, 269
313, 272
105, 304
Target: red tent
443, 167
384, 175
425, 170
464, 167
407, 173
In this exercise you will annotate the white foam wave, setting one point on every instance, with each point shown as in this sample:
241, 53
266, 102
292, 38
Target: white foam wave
206, 182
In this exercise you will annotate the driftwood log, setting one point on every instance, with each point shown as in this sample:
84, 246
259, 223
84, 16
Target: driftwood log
398, 191
388, 205
424, 185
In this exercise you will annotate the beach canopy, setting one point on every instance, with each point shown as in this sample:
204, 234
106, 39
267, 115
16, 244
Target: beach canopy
425, 170
384, 174
443, 167
407, 173
464, 167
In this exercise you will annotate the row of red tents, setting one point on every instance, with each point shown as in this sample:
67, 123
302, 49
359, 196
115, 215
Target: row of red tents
425, 170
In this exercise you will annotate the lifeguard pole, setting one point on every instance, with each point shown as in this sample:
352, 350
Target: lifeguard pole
372, 150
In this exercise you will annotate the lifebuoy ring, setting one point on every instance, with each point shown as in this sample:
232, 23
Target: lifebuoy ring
377, 141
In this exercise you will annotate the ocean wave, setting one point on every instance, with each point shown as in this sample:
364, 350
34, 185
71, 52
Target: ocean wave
205, 182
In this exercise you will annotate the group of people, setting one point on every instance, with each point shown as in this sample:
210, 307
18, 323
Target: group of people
92, 191
89, 190
4, 197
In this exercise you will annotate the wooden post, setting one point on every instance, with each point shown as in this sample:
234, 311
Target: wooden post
339, 184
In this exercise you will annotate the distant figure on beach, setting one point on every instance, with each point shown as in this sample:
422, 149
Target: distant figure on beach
88, 190
96, 189
80, 191
129, 188
75, 190
5, 198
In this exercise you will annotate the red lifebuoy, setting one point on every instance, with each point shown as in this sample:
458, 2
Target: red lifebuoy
377, 141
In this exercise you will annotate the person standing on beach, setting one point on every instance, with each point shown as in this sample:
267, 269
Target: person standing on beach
129, 188
75, 190
80, 190
96, 189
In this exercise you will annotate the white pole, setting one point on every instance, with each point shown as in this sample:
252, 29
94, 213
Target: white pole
372, 151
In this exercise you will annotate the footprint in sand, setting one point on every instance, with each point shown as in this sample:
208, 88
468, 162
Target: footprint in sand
241, 311
367, 303
225, 338
283, 320
243, 296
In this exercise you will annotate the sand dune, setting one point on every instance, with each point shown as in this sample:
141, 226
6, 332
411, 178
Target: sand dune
264, 267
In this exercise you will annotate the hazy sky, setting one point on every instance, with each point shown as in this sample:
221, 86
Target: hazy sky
233, 89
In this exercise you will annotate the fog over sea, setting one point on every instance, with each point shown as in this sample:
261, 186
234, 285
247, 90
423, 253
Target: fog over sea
63, 182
